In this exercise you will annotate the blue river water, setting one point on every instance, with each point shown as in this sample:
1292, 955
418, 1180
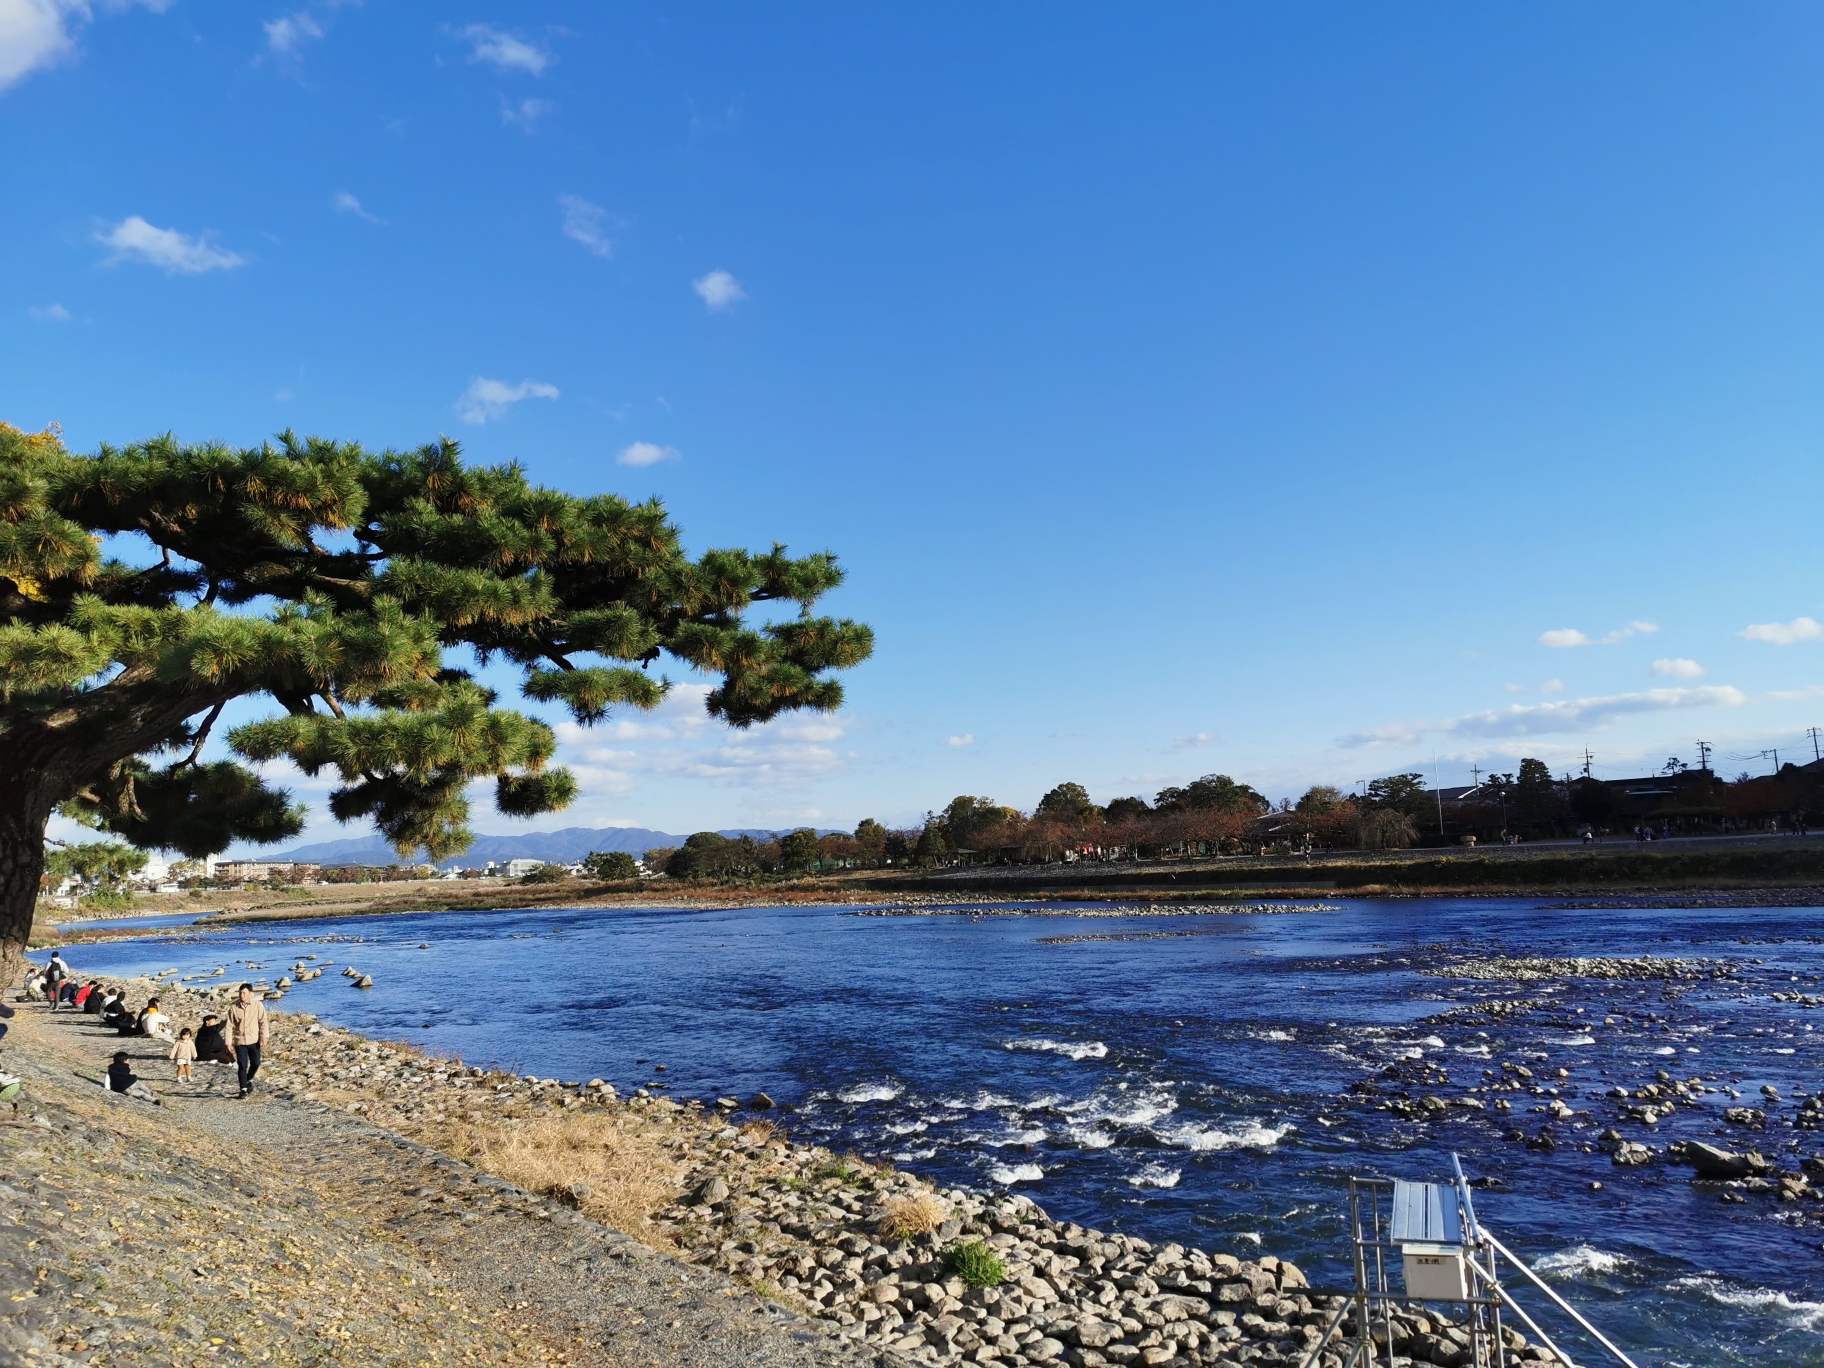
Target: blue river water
1182, 1077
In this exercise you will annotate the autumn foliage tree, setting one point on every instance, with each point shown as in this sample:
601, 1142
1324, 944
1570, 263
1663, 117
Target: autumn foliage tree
145, 588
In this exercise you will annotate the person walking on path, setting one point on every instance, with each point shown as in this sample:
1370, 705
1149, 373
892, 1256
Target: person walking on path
247, 1034
54, 974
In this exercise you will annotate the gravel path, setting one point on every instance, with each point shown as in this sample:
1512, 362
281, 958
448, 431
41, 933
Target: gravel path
210, 1230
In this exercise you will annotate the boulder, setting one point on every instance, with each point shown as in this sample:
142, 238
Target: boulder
710, 1191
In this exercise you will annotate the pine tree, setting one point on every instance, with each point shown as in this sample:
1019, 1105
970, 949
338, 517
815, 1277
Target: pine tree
143, 589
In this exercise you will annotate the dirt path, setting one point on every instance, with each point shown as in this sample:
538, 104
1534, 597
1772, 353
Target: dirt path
210, 1230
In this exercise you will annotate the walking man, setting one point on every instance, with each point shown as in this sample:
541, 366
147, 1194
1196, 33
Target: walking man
247, 1033
54, 974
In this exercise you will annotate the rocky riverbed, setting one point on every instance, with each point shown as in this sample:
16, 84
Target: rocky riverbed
913, 1272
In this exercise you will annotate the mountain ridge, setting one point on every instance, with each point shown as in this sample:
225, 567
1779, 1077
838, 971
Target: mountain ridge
565, 846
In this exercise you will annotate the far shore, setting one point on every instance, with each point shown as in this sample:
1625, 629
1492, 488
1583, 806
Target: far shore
1765, 872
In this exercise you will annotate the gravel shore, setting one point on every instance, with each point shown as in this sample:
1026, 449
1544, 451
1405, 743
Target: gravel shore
755, 1249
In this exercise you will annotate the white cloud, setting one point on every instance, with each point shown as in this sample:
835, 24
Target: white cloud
679, 740
1552, 686
33, 35
287, 34
1678, 667
966, 739
1199, 739
485, 399
526, 113
646, 453
347, 204
1564, 715
133, 239
50, 313
1514, 688
503, 50
41, 33
586, 223
1783, 633
1562, 637
719, 289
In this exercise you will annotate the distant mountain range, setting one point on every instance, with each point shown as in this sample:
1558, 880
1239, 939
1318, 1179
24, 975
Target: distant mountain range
554, 847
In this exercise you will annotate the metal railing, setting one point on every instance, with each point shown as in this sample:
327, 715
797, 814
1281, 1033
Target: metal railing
1373, 1301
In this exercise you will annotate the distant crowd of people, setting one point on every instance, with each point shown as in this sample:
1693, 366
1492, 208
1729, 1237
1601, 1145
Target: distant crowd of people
236, 1038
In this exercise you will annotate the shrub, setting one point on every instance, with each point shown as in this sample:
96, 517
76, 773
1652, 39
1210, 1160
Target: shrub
547, 874
610, 864
918, 1214
976, 1264
759, 1131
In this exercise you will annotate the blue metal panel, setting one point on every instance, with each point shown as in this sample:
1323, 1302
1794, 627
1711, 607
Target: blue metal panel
1425, 1213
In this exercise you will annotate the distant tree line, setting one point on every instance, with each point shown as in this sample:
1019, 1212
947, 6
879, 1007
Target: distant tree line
1218, 815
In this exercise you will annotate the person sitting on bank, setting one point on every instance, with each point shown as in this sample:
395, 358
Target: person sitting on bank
115, 1009
154, 1024
122, 1079
212, 1041
127, 1023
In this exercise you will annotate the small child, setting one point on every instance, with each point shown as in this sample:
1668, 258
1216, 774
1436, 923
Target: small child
183, 1050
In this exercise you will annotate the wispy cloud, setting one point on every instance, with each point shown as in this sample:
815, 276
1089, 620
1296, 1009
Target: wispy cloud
1783, 633
586, 223
719, 290
646, 453
485, 399
133, 239
966, 739
50, 313
1552, 686
1562, 715
346, 203
525, 114
1562, 637
1678, 667
287, 34
1196, 739
680, 740
503, 50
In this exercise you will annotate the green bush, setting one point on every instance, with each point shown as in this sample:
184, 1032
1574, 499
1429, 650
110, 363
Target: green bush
546, 874
610, 864
976, 1264
108, 900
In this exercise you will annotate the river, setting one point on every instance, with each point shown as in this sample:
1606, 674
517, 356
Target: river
1183, 1077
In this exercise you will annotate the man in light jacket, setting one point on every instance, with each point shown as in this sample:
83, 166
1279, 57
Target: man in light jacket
246, 1031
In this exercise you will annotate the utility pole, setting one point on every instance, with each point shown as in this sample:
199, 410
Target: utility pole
1812, 732
1703, 754
1439, 789
1475, 772
1587, 757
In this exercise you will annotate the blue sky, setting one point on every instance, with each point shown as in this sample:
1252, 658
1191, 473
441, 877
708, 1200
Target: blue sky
1294, 391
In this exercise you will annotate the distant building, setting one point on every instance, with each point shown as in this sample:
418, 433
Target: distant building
518, 869
258, 871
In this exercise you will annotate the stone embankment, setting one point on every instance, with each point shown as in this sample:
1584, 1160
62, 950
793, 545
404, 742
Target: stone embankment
904, 1272
879, 1254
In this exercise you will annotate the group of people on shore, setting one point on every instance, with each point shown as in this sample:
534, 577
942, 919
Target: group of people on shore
236, 1038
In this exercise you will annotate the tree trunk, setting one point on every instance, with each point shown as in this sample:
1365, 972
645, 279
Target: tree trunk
21, 868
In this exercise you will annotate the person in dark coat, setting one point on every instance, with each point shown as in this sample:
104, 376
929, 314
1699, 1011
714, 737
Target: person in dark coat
212, 1041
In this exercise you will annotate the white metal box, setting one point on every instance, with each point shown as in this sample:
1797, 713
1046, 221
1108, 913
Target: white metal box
1429, 1232
1435, 1272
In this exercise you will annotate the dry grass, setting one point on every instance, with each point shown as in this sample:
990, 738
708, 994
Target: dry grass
919, 1214
625, 1175
760, 1131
